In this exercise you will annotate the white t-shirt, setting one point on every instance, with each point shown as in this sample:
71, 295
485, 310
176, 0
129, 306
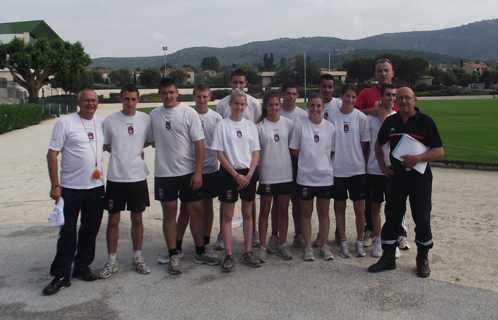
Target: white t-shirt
174, 131
208, 122
296, 115
74, 138
238, 140
373, 165
252, 111
330, 107
275, 164
315, 143
350, 130
127, 136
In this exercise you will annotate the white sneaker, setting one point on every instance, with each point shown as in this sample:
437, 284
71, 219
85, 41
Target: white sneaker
377, 251
403, 243
210, 251
108, 270
284, 252
255, 239
360, 250
164, 259
308, 253
397, 254
326, 253
299, 242
219, 244
181, 255
344, 250
261, 254
368, 238
272, 244
140, 266
318, 242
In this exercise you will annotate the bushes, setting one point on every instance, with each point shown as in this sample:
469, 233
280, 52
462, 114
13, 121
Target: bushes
15, 116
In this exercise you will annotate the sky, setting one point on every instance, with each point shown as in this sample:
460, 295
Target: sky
124, 28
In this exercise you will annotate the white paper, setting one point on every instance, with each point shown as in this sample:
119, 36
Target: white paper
56, 217
410, 146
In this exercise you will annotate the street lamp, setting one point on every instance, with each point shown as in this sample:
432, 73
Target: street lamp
165, 49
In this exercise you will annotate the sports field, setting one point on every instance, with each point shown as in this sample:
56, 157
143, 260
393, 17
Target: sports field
469, 128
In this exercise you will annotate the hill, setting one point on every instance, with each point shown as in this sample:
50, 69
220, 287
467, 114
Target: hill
476, 41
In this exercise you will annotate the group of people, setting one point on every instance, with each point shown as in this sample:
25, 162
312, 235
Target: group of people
336, 149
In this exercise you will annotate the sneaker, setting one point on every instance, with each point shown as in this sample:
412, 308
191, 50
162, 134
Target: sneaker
261, 254
57, 284
164, 259
326, 254
397, 254
284, 252
368, 238
255, 239
210, 250
360, 250
299, 242
228, 264
403, 243
140, 266
108, 270
219, 244
249, 259
181, 255
85, 273
206, 258
308, 253
174, 265
318, 242
344, 250
272, 244
377, 251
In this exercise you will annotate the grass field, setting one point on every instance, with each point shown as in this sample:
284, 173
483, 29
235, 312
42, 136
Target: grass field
468, 128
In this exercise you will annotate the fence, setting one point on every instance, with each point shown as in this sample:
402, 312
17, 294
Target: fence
55, 105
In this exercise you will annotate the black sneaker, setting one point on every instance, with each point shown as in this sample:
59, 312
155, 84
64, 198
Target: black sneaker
85, 273
57, 284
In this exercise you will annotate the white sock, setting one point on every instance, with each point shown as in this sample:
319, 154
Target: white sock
137, 255
112, 257
378, 240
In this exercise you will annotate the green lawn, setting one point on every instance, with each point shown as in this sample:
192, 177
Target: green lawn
468, 128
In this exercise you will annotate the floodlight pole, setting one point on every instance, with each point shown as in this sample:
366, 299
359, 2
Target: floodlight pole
305, 77
165, 49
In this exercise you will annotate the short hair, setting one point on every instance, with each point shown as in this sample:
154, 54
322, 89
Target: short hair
167, 82
268, 95
326, 76
237, 93
382, 60
201, 86
384, 87
315, 96
350, 86
85, 90
129, 88
289, 84
238, 73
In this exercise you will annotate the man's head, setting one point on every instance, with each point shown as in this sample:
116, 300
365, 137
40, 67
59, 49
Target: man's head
88, 103
383, 72
238, 79
168, 92
129, 98
326, 85
406, 100
387, 96
201, 95
289, 94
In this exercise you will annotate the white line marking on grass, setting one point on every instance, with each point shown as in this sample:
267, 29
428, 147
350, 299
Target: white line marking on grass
450, 145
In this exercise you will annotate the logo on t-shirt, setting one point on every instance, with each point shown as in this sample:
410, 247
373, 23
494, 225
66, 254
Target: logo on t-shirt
276, 137
168, 125
316, 138
267, 188
326, 115
239, 133
229, 194
346, 127
393, 130
131, 130
305, 192
90, 135
111, 204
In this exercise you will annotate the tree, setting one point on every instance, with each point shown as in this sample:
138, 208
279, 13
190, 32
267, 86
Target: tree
149, 77
413, 69
449, 78
251, 74
268, 63
72, 82
312, 70
436, 73
487, 77
360, 69
97, 76
283, 63
179, 76
210, 63
121, 76
283, 75
32, 64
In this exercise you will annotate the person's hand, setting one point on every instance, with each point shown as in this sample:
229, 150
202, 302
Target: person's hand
196, 181
242, 181
55, 193
409, 161
382, 114
387, 170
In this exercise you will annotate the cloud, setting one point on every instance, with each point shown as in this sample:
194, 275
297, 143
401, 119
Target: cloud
158, 36
237, 34
357, 22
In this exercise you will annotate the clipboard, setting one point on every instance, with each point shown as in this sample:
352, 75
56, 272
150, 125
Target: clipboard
410, 146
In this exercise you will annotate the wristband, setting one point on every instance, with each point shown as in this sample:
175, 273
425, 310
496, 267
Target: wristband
53, 187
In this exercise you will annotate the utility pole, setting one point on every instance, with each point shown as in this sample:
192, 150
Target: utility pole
165, 68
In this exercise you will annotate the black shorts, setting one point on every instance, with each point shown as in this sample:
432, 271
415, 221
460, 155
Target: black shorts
310, 192
376, 187
228, 187
135, 195
356, 185
210, 185
171, 188
276, 188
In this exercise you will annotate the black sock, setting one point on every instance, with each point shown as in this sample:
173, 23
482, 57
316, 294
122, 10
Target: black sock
297, 231
179, 245
173, 252
199, 250
207, 240
274, 233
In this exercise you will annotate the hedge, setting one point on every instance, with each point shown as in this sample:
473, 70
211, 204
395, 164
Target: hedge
15, 116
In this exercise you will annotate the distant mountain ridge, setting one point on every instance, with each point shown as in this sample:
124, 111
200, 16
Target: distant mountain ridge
475, 41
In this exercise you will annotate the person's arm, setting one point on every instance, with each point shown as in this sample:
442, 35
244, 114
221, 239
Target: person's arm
53, 173
294, 152
196, 181
107, 147
374, 111
254, 164
409, 161
364, 150
380, 155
